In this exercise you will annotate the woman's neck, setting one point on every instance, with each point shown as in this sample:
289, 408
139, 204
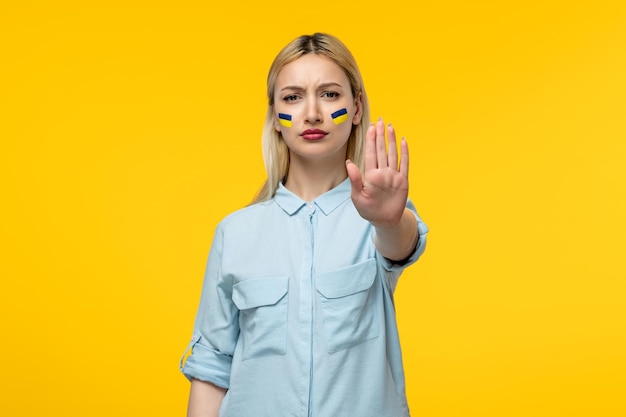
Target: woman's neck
310, 179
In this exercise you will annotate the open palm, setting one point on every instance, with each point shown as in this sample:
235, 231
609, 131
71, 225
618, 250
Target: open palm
380, 194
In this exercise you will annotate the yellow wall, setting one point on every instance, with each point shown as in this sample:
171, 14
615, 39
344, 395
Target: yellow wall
128, 129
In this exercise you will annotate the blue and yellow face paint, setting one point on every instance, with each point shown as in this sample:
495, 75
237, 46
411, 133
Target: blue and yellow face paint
284, 119
340, 116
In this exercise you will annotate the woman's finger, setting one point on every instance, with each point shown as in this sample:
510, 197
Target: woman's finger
370, 148
392, 152
381, 149
404, 158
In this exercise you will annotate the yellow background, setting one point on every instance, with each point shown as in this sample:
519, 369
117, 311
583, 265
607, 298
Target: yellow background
130, 128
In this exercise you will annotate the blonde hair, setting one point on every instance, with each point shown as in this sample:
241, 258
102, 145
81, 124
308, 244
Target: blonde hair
275, 151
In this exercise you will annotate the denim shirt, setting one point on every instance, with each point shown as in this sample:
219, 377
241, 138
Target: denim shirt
296, 316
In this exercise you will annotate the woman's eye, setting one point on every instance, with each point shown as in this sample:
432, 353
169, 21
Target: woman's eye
291, 97
330, 94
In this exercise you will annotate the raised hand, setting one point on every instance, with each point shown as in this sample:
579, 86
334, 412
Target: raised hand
380, 195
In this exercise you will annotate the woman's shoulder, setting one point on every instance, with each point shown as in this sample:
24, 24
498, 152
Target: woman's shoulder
252, 213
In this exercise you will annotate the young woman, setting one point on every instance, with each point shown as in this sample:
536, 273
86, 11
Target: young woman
296, 316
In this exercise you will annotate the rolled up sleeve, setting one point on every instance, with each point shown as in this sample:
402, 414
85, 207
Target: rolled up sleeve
216, 327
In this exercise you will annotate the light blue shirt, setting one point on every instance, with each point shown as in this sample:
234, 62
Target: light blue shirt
296, 317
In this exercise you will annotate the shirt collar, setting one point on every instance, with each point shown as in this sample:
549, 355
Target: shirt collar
327, 202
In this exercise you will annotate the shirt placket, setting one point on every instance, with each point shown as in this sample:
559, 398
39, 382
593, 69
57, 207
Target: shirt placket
308, 299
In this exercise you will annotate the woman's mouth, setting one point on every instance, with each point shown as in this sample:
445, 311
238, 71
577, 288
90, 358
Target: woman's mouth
313, 134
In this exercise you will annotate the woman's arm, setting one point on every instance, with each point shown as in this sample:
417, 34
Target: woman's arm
204, 399
380, 195
398, 242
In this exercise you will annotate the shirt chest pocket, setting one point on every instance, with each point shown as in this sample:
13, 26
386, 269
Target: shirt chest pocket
262, 304
348, 305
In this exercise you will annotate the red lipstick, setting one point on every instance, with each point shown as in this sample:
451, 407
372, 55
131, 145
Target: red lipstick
313, 134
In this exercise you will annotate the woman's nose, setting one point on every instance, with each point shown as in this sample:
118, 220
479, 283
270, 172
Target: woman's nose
312, 111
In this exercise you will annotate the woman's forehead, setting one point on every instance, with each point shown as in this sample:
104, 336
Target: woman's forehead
311, 69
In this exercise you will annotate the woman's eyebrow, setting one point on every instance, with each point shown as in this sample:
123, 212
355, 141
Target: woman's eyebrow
292, 88
330, 84
319, 87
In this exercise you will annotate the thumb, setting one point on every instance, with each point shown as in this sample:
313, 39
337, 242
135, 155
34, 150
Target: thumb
355, 176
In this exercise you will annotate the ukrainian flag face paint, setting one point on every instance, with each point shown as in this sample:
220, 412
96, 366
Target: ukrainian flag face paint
285, 119
340, 116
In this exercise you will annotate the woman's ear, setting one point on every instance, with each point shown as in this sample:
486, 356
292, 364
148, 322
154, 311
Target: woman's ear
275, 121
358, 103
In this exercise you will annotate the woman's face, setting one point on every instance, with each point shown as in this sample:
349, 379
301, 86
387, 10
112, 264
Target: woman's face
314, 108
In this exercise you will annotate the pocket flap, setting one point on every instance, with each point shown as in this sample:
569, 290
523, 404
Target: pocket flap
348, 280
258, 292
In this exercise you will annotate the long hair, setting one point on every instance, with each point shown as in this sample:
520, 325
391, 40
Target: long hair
275, 151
